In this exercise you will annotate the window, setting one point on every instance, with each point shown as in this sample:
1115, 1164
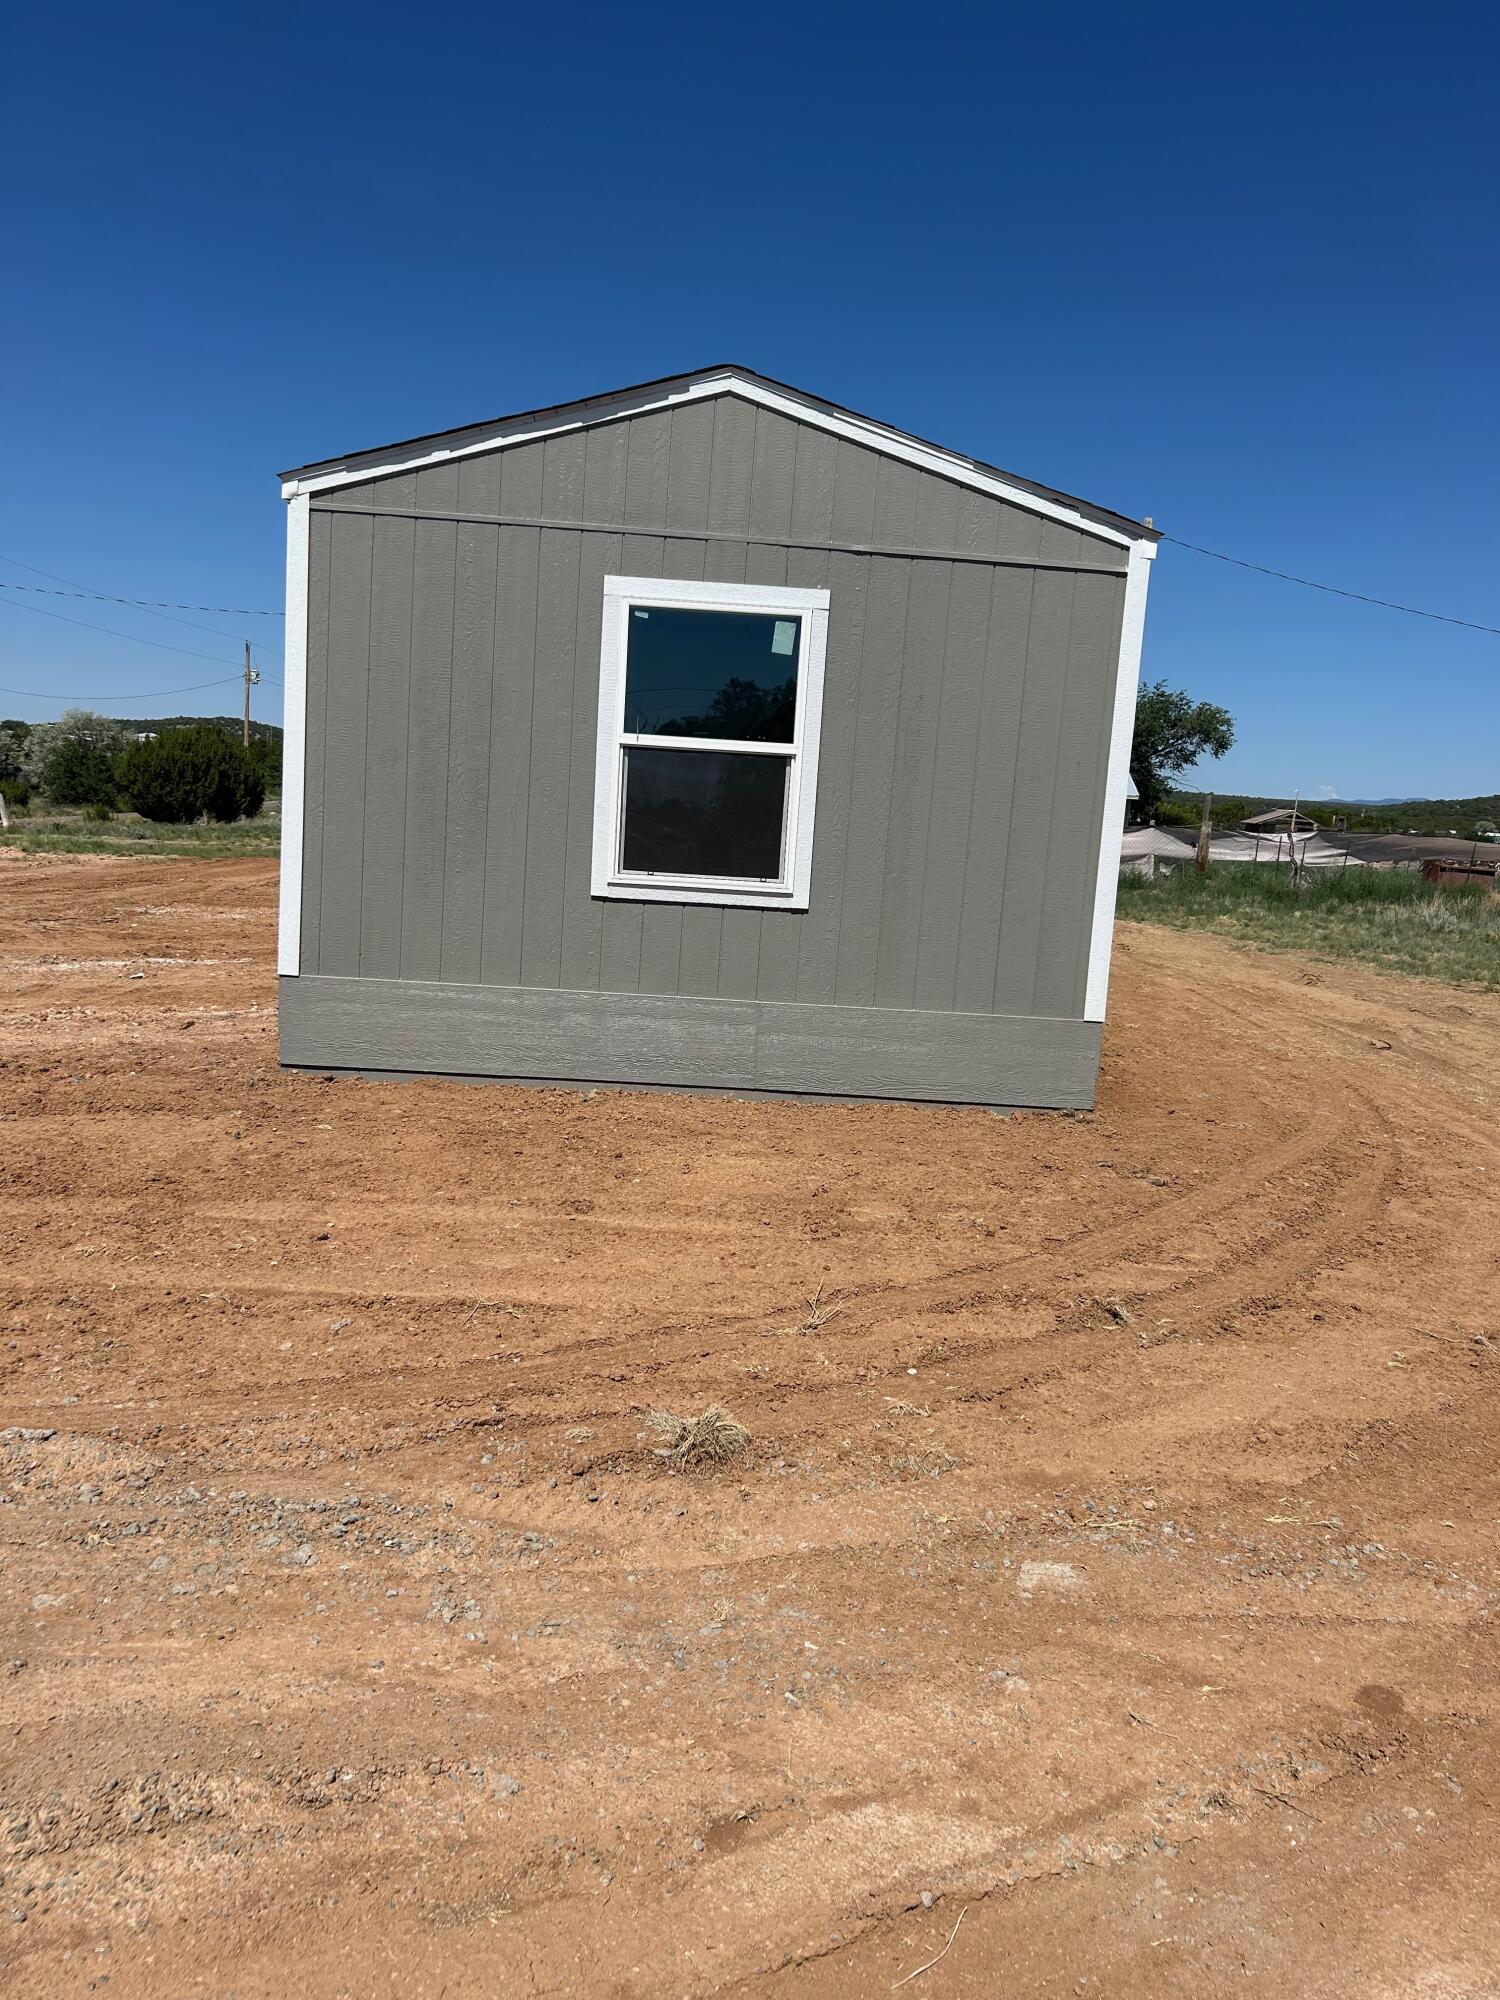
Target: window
710, 699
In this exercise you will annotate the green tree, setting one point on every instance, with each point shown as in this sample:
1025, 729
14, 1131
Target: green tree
265, 752
14, 783
1186, 808
72, 760
184, 774
12, 752
76, 773
1172, 731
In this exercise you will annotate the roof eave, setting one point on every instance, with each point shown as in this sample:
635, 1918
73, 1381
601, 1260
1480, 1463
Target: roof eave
723, 378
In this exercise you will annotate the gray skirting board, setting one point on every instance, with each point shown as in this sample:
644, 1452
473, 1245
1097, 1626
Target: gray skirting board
780, 1047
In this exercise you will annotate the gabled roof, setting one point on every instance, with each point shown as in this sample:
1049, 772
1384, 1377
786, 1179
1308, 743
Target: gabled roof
1280, 816
726, 379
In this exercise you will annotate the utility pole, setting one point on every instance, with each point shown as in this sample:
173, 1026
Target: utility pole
252, 678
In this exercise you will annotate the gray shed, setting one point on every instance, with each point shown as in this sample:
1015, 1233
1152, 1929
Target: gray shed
708, 735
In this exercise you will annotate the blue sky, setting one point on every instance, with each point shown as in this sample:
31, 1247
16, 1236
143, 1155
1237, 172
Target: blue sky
1235, 270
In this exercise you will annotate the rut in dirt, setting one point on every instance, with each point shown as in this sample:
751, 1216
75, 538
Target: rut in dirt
1113, 1555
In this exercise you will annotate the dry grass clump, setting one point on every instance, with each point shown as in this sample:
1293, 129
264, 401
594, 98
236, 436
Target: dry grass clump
713, 1438
820, 1311
930, 1463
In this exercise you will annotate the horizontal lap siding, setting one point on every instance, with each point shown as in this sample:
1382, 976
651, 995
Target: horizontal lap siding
453, 688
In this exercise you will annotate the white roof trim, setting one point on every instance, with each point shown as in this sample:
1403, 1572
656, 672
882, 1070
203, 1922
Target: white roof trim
328, 475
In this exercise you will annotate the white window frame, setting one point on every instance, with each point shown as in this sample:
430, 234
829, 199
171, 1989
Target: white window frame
622, 595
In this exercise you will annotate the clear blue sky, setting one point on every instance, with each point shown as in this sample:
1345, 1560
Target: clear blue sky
1238, 271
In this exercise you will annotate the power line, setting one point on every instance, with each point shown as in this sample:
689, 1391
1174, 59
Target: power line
149, 606
134, 637
1385, 604
145, 603
162, 607
155, 694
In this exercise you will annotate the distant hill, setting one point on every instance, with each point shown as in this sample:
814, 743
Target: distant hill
140, 725
1462, 816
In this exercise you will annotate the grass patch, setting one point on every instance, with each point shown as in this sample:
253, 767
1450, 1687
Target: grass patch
1389, 918
69, 830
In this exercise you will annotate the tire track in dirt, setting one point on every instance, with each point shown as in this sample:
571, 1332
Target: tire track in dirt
453, 1708
866, 1308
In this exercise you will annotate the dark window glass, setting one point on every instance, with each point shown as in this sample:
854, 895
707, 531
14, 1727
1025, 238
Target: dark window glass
711, 673
704, 812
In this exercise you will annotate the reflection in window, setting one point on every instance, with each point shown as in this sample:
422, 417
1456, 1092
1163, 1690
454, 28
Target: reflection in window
725, 674
704, 812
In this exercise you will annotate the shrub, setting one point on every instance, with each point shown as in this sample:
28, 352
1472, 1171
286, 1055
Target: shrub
97, 810
17, 793
187, 773
75, 772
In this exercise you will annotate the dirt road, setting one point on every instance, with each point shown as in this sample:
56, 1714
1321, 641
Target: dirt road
1115, 1568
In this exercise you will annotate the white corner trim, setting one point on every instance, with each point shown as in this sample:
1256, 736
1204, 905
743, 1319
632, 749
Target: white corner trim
293, 737
1112, 829
687, 389
811, 606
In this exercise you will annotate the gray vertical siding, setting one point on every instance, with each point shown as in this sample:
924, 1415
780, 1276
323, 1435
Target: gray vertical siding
453, 647
386, 744
429, 724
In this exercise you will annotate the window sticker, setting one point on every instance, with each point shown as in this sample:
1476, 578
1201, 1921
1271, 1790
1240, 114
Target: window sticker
784, 638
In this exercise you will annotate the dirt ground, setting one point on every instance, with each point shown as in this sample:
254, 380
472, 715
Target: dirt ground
1113, 1573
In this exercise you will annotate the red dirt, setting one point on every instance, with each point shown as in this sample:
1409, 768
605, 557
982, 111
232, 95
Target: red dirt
1117, 1566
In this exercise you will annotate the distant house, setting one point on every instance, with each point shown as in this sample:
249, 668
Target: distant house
1283, 819
704, 734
